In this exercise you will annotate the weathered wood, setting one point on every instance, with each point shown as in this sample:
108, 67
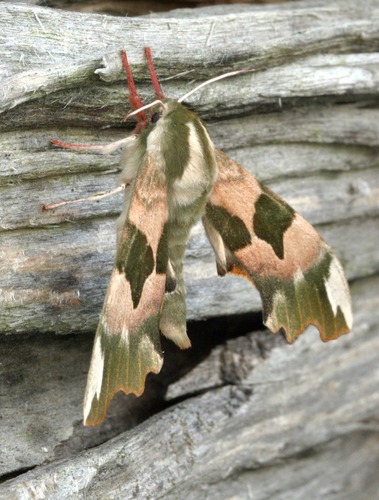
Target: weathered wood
323, 78
130, 7
302, 31
257, 419
57, 281
251, 418
56, 265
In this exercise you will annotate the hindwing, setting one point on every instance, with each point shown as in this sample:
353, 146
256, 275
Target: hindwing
256, 234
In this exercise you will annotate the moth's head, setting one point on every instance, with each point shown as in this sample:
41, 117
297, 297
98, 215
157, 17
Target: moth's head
158, 111
150, 114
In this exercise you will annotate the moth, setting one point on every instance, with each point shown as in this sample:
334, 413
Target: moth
173, 175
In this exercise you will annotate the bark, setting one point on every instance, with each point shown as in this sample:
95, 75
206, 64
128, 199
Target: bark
241, 414
255, 418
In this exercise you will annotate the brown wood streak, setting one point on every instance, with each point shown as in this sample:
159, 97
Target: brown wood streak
237, 191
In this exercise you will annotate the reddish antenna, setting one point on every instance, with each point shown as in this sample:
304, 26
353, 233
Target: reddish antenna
134, 98
154, 79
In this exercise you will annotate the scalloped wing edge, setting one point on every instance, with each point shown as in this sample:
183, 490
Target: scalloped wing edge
120, 363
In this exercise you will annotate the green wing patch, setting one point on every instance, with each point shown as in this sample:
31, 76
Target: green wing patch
135, 259
271, 220
231, 228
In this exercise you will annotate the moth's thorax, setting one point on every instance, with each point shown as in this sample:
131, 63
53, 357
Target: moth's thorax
177, 143
181, 145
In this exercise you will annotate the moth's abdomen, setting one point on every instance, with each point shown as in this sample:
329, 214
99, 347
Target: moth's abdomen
190, 166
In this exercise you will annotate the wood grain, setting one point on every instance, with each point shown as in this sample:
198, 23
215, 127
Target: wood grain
255, 418
238, 415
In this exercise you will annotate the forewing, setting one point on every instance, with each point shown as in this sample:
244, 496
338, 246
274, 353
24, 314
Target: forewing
257, 235
127, 345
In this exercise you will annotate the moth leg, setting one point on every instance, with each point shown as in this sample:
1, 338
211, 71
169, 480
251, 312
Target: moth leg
93, 197
102, 149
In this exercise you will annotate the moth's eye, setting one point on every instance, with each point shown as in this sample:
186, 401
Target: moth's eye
155, 117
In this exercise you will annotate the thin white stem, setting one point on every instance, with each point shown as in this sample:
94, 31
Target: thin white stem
215, 79
147, 106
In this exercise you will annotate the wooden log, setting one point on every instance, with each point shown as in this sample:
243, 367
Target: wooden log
56, 265
246, 416
255, 418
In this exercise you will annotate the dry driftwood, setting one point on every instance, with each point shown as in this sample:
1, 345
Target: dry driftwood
321, 158
256, 419
254, 410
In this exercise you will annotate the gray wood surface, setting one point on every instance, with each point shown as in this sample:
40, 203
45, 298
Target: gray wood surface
257, 418
243, 416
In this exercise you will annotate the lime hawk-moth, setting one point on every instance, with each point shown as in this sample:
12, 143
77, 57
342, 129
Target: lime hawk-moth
173, 175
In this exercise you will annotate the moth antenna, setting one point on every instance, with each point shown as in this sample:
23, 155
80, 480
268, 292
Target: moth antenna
134, 98
154, 79
147, 106
214, 79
